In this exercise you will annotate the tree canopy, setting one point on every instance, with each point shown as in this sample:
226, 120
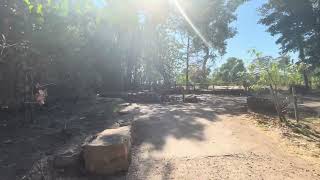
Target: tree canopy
298, 25
88, 46
231, 72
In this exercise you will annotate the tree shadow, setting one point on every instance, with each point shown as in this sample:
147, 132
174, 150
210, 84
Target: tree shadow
155, 129
182, 121
305, 130
167, 171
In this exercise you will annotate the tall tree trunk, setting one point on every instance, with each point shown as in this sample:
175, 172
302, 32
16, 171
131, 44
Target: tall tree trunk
204, 64
303, 59
187, 69
306, 79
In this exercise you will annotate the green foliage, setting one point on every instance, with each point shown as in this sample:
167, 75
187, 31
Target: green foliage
211, 27
276, 72
296, 22
196, 74
87, 47
29, 5
120, 45
39, 9
232, 72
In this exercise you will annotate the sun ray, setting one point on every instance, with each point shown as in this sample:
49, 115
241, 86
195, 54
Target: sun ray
195, 29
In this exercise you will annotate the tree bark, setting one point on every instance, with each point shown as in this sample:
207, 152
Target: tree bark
303, 59
204, 65
187, 69
306, 79
277, 104
295, 104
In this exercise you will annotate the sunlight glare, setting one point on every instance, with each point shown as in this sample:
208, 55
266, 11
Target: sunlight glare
195, 29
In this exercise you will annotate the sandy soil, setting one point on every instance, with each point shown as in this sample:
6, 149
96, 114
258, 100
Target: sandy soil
213, 139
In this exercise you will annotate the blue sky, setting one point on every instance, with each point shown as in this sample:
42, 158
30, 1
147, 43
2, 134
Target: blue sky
250, 34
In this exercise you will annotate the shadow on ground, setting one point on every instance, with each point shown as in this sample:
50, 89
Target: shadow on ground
182, 121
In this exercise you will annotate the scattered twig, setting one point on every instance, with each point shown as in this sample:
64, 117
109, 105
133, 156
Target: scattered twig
4, 44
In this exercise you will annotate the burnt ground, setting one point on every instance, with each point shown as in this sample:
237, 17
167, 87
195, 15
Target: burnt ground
22, 145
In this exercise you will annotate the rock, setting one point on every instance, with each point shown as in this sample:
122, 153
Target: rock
123, 112
109, 152
124, 104
67, 160
193, 99
144, 97
123, 123
115, 125
110, 100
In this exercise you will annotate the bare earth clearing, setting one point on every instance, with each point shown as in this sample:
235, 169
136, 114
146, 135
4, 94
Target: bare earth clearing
214, 139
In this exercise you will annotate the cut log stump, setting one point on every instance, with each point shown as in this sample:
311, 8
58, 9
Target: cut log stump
109, 152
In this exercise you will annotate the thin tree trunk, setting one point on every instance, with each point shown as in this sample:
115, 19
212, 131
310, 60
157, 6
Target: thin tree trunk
303, 59
187, 69
306, 79
277, 104
204, 64
295, 104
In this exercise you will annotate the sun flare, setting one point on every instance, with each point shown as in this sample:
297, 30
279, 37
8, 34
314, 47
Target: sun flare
194, 28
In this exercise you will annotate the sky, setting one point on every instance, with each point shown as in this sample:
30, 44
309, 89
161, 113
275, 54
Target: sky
250, 34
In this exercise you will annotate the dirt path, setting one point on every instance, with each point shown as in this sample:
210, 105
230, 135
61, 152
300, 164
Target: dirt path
209, 140
312, 102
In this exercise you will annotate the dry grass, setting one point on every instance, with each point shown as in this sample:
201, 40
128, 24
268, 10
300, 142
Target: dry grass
301, 138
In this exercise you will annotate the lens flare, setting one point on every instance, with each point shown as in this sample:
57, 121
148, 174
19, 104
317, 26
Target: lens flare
195, 29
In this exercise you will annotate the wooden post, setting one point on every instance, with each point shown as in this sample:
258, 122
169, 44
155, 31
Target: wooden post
295, 104
183, 96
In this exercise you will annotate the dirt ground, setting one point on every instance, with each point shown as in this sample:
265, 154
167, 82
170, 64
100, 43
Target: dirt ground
214, 139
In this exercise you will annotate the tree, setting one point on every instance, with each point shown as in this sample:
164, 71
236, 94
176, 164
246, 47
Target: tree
267, 71
210, 21
274, 73
196, 74
231, 72
297, 23
85, 48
